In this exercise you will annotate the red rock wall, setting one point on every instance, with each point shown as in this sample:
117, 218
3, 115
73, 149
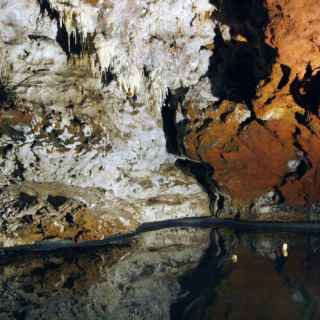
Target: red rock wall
278, 146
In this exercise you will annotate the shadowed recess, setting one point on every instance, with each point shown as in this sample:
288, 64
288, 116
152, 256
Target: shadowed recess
169, 118
306, 91
237, 67
71, 44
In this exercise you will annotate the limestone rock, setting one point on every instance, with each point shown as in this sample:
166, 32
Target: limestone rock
82, 87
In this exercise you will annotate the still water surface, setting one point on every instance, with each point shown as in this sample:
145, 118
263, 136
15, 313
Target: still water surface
180, 273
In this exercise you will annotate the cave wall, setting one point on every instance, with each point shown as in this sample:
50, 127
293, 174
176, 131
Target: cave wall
81, 114
262, 137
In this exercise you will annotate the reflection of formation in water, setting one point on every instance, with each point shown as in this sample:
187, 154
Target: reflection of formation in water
168, 274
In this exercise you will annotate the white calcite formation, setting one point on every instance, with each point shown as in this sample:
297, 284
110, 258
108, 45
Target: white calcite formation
68, 126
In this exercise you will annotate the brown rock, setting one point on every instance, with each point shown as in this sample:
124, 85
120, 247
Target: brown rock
253, 156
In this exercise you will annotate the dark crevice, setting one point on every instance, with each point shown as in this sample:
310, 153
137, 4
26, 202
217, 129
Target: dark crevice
27, 219
7, 93
25, 201
224, 116
72, 44
69, 218
249, 120
168, 112
246, 17
237, 68
270, 100
304, 155
298, 174
19, 171
182, 127
5, 149
286, 72
56, 201
146, 71
20, 315
197, 285
306, 91
302, 119
204, 125
173, 131
304, 166
203, 173
37, 37
107, 77
278, 197
244, 124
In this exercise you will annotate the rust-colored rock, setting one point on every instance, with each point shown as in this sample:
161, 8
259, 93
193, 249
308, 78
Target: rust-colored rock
277, 146
294, 30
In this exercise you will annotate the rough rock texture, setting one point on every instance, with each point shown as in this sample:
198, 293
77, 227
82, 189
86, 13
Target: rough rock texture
82, 87
262, 137
35, 212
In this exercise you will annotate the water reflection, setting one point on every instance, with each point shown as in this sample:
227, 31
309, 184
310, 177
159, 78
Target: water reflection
138, 281
173, 274
269, 280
